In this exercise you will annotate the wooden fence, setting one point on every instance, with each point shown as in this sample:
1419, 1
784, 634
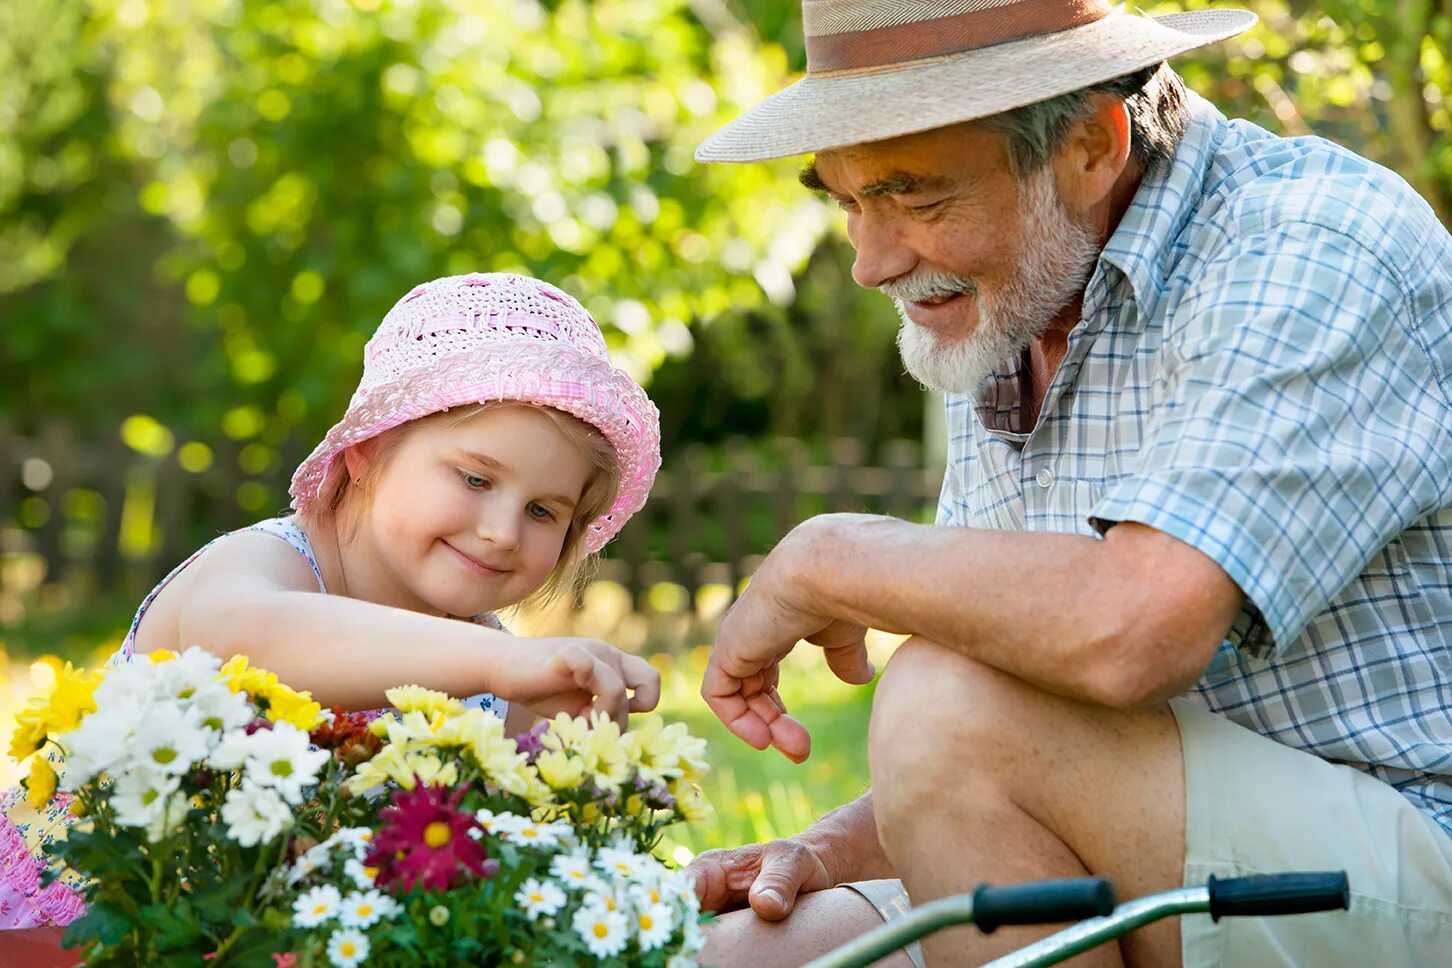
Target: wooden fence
94, 520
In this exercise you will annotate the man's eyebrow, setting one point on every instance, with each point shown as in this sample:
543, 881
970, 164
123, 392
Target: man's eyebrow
906, 183
896, 183
484, 460
810, 179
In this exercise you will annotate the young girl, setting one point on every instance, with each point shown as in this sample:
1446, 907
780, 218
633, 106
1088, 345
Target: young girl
488, 449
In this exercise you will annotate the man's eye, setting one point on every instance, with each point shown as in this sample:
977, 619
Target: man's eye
846, 204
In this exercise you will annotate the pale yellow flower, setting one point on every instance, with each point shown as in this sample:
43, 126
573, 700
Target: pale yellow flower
560, 770
662, 752
407, 699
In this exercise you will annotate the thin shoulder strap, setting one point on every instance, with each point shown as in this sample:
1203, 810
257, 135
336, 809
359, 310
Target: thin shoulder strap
290, 531
284, 528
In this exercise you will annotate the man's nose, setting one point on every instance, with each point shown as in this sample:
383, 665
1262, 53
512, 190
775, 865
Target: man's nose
882, 254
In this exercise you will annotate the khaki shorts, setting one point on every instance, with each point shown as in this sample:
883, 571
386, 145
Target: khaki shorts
1255, 806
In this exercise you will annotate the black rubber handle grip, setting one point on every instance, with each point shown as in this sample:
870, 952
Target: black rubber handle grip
1042, 902
1265, 894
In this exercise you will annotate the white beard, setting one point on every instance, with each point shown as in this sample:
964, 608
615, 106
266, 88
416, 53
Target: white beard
1054, 265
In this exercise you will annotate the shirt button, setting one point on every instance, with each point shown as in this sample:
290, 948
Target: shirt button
1043, 478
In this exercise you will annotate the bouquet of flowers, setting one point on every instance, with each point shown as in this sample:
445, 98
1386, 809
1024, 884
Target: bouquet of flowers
188, 779
490, 850
225, 817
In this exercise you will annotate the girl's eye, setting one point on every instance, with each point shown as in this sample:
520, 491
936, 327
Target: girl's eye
541, 513
473, 481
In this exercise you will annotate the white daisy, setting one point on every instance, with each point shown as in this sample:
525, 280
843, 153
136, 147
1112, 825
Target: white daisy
140, 798
604, 932
655, 924
314, 907
539, 897
280, 758
362, 877
357, 839
219, 708
347, 948
573, 870
530, 834
170, 738
184, 676
363, 909
618, 863
255, 814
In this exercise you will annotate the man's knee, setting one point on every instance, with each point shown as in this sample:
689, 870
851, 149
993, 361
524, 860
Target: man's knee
940, 698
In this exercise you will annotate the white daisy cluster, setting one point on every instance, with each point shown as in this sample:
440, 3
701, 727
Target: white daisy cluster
157, 721
350, 914
610, 897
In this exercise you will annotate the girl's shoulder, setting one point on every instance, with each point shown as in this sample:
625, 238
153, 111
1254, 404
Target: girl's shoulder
275, 552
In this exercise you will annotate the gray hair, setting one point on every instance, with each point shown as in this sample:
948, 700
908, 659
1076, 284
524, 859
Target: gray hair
1158, 117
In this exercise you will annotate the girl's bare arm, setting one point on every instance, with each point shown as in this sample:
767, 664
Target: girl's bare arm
250, 594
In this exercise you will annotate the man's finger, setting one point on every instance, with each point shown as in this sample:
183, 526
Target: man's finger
723, 695
850, 664
774, 893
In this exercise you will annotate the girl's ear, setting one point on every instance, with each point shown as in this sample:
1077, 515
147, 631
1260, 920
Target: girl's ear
357, 462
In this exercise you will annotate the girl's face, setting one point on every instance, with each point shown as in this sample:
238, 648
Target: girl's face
467, 517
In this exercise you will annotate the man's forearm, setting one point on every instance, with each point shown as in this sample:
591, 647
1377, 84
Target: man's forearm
846, 843
1072, 614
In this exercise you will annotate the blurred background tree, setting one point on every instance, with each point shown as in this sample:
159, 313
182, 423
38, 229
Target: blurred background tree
206, 207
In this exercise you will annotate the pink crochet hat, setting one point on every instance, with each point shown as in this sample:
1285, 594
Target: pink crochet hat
472, 339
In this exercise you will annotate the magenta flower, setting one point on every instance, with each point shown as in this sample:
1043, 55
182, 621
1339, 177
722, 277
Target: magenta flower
424, 839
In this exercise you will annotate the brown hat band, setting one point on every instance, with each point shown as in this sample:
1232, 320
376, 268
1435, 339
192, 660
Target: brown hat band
880, 46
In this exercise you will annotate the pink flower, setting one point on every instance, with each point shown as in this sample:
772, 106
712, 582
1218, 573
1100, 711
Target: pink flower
288, 960
424, 838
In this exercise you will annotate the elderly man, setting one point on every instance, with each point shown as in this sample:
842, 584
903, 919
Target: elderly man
1187, 609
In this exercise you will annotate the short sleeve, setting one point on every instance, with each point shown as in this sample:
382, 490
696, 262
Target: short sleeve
1297, 424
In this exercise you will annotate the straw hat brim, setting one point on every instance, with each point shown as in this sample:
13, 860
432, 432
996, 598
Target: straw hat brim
836, 109
595, 391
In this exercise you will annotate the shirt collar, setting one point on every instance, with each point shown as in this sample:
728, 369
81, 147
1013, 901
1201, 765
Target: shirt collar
1159, 211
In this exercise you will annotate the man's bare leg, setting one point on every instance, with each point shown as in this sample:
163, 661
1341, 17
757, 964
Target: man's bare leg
980, 777
821, 921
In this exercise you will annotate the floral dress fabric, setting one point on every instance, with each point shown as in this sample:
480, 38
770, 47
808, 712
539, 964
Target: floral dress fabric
25, 832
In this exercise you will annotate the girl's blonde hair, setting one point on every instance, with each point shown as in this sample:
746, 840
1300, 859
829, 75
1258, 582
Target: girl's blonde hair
342, 497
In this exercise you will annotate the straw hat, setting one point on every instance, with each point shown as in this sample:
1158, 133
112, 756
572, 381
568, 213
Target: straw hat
484, 337
878, 69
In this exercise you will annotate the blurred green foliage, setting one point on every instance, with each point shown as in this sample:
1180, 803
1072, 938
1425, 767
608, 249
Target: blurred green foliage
206, 207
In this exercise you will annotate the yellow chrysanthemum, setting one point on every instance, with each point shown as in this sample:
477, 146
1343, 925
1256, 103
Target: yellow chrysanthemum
40, 785
286, 705
430, 702
158, 656
240, 677
58, 710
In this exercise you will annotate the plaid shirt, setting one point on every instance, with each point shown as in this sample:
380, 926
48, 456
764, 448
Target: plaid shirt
1263, 370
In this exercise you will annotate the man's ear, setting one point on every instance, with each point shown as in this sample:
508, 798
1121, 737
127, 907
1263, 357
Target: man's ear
1095, 154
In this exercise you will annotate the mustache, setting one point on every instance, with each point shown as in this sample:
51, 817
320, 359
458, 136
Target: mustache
926, 285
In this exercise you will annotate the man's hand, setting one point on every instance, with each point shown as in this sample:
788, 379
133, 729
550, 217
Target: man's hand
768, 876
776, 611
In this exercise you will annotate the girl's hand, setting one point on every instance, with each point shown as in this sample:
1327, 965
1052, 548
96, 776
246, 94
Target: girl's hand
577, 676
